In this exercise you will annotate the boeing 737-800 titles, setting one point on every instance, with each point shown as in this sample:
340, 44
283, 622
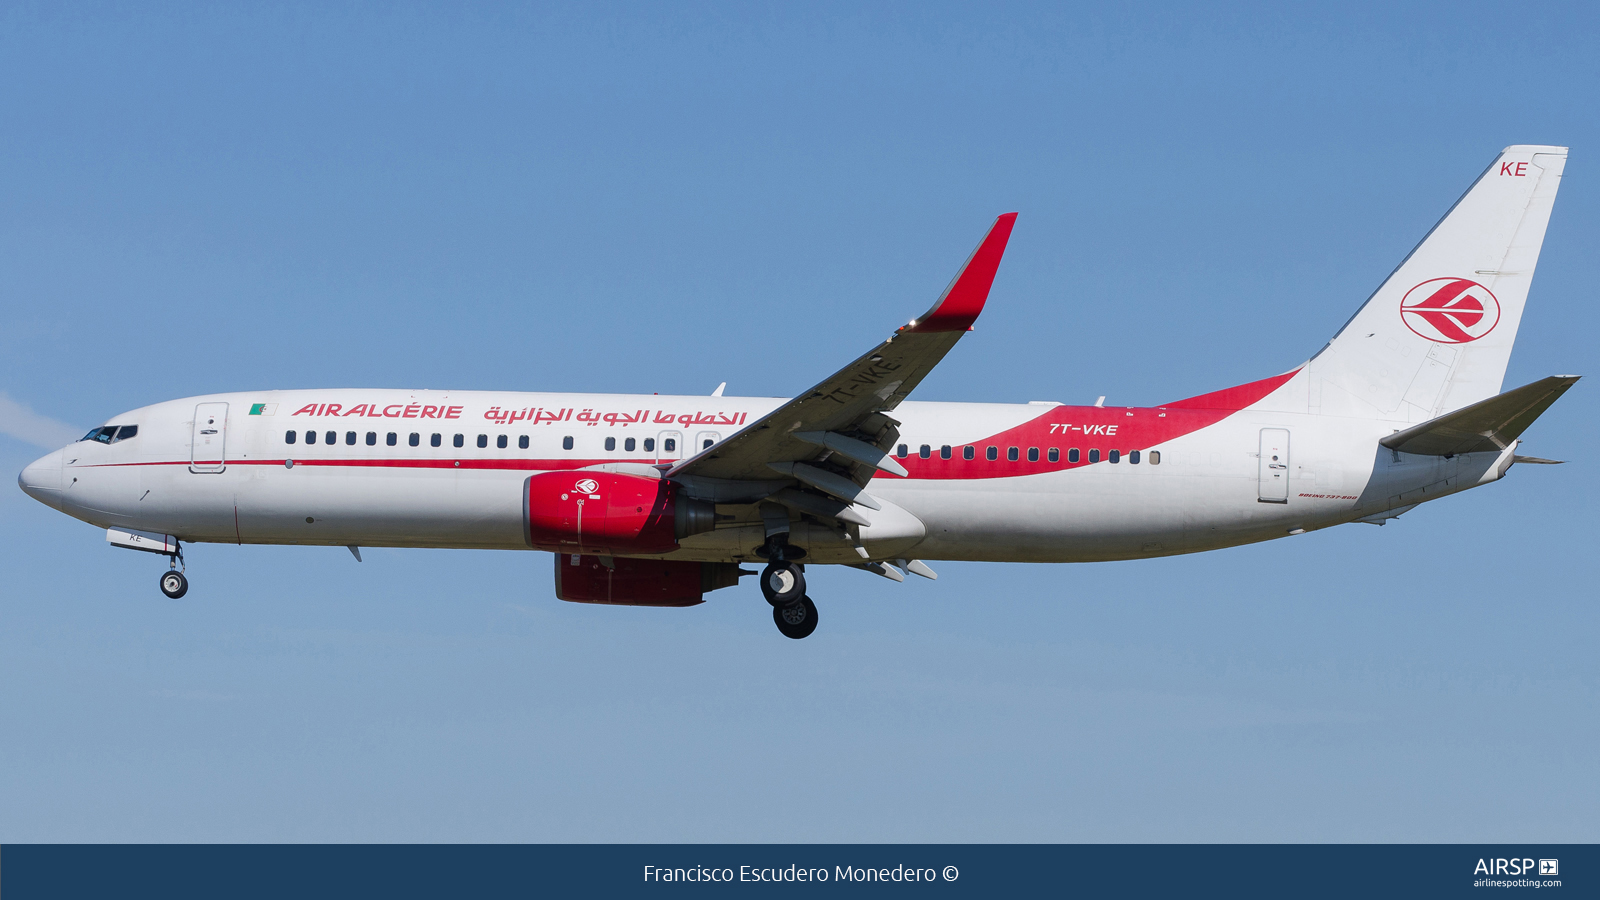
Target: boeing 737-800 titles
654, 501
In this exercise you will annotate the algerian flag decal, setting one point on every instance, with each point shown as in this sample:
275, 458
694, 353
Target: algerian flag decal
263, 409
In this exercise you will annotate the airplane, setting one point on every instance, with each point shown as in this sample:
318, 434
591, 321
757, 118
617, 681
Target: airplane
650, 500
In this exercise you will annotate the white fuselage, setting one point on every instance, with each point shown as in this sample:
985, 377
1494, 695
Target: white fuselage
1200, 480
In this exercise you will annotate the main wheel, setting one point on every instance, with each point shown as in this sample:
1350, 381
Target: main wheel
782, 583
174, 585
797, 620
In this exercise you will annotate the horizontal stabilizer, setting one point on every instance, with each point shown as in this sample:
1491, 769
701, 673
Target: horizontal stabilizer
1488, 426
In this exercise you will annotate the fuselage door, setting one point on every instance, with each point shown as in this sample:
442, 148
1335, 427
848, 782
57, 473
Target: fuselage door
1274, 471
669, 446
207, 446
704, 440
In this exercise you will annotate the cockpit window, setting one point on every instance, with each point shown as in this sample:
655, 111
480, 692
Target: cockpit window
110, 434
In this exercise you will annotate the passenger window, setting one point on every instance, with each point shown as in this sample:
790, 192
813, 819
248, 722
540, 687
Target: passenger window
391, 439
992, 453
1055, 454
669, 445
436, 439
1155, 457
968, 452
289, 436
311, 437
331, 437
706, 444
611, 443
522, 442
372, 439
1011, 454
1033, 454
925, 451
1115, 456
566, 443
501, 442
944, 452
350, 438
649, 445
483, 441
902, 451
629, 444
1133, 457
459, 440
1094, 456
415, 439
1072, 455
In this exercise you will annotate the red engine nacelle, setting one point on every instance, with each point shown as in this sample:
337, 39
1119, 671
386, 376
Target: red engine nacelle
604, 513
639, 582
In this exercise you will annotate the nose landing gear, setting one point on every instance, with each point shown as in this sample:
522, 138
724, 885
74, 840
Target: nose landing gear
174, 584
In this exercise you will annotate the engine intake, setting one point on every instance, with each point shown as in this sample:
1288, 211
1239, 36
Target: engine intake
606, 513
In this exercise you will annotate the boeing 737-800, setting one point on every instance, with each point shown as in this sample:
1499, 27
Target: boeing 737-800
656, 500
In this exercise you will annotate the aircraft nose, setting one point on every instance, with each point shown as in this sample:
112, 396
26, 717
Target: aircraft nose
41, 480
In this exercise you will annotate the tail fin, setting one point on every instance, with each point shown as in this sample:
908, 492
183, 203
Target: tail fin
1436, 336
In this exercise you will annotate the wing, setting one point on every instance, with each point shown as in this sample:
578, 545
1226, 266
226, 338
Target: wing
836, 436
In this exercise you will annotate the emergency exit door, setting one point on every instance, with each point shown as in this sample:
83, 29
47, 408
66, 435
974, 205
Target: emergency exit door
669, 446
1274, 465
208, 441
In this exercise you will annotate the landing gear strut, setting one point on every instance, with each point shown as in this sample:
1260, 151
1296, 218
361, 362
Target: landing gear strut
173, 582
796, 620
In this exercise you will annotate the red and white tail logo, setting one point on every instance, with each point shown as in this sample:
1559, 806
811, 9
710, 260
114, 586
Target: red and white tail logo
1450, 310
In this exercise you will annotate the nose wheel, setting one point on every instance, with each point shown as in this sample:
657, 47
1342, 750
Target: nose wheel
796, 620
174, 584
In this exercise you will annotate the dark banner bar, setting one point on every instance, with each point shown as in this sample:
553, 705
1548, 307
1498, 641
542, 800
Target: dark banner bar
944, 871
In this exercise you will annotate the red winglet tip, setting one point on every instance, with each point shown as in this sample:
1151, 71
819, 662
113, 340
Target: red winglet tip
964, 298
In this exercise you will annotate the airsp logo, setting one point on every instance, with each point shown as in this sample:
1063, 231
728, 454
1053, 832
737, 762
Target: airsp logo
1450, 310
586, 486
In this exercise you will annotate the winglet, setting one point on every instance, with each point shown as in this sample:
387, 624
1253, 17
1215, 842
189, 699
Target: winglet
959, 305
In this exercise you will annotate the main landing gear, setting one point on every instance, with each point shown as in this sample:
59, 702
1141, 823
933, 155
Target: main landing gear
796, 620
783, 583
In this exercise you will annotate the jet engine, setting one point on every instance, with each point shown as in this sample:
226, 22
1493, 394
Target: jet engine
621, 581
607, 513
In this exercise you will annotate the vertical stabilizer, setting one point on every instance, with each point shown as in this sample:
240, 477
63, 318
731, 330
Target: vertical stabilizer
1436, 336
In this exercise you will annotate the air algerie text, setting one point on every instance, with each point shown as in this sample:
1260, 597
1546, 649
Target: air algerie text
373, 411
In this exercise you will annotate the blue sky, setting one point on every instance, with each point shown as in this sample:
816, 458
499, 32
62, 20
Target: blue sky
651, 198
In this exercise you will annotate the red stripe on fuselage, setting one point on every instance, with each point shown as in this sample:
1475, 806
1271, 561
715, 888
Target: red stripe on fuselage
537, 465
1088, 428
